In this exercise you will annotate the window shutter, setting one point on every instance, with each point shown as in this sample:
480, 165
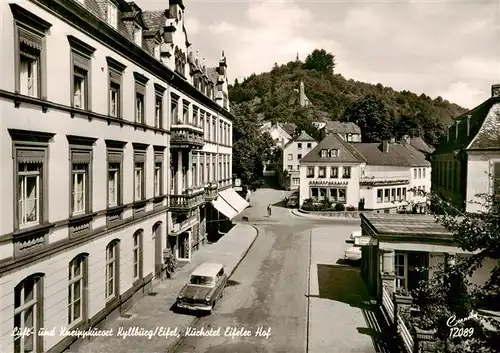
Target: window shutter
139, 158
80, 61
30, 39
114, 157
158, 157
31, 156
80, 157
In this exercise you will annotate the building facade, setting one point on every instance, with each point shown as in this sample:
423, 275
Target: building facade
116, 143
330, 171
293, 151
281, 133
467, 161
372, 176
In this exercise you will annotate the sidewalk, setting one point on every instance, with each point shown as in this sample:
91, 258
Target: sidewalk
341, 317
151, 312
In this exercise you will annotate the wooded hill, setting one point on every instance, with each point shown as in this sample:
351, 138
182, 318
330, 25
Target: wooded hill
380, 111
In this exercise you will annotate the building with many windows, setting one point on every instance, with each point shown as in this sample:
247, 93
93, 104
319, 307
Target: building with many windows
115, 145
369, 176
466, 163
293, 151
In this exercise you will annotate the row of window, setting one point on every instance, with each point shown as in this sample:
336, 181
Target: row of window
180, 58
419, 173
334, 172
332, 194
333, 153
391, 195
299, 145
32, 72
203, 171
28, 294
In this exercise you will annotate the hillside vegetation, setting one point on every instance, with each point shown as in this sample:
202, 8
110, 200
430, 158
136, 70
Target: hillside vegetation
380, 111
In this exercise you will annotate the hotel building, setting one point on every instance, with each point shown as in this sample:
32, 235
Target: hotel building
115, 146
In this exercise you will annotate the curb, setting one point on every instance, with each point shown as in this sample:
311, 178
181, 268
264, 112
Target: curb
246, 251
333, 219
175, 346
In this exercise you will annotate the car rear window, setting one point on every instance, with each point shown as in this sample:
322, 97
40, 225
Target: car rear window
202, 280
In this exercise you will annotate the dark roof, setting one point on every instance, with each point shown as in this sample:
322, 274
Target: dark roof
288, 127
342, 127
330, 142
484, 129
397, 155
212, 74
421, 145
405, 224
154, 20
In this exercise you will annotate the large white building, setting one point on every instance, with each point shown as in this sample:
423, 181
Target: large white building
115, 145
293, 151
467, 161
371, 176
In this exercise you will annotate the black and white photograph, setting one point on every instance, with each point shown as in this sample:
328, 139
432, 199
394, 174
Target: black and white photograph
250, 176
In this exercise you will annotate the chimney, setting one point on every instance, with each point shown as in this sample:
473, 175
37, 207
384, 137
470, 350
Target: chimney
301, 94
495, 90
385, 146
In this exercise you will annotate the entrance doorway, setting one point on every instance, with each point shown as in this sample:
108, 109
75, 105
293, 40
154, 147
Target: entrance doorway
157, 261
184, 246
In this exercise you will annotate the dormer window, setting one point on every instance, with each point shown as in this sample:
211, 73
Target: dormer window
323, 153
138, 35
334, 153
112, 15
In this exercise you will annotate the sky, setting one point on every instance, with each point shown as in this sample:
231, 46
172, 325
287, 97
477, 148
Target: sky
441, 48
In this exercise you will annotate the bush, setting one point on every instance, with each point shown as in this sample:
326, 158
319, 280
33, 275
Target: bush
308, 205
350, 208
339, 207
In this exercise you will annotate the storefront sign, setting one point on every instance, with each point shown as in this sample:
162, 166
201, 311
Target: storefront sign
327, 183
365, 241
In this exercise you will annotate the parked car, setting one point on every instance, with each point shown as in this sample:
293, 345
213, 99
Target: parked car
205, 287
353, 253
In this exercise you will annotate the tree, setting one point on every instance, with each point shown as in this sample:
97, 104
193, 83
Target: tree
251, 148
449, 292
320, 60
371, 115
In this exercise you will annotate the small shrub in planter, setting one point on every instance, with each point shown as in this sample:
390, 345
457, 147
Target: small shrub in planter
326, 205
339, 207
350, 208
308, 205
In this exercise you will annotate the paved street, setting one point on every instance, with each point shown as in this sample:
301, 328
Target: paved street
289, 287
269, 290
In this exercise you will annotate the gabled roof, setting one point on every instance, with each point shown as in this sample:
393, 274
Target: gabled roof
338, 127
332, 142
212, 74
397, 155
303, 137
288, 127
421, 145
154, 20
484, 129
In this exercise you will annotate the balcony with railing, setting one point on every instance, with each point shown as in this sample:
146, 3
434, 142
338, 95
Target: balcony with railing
186, 135
188, 200
210, 192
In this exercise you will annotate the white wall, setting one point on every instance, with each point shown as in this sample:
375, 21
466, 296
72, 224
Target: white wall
479, 178
420, 178
352, 192
383, 173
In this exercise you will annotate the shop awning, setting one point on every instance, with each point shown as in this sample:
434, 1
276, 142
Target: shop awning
235, 200
223, 207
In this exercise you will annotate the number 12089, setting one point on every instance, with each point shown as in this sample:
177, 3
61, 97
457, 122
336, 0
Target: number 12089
456, 332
